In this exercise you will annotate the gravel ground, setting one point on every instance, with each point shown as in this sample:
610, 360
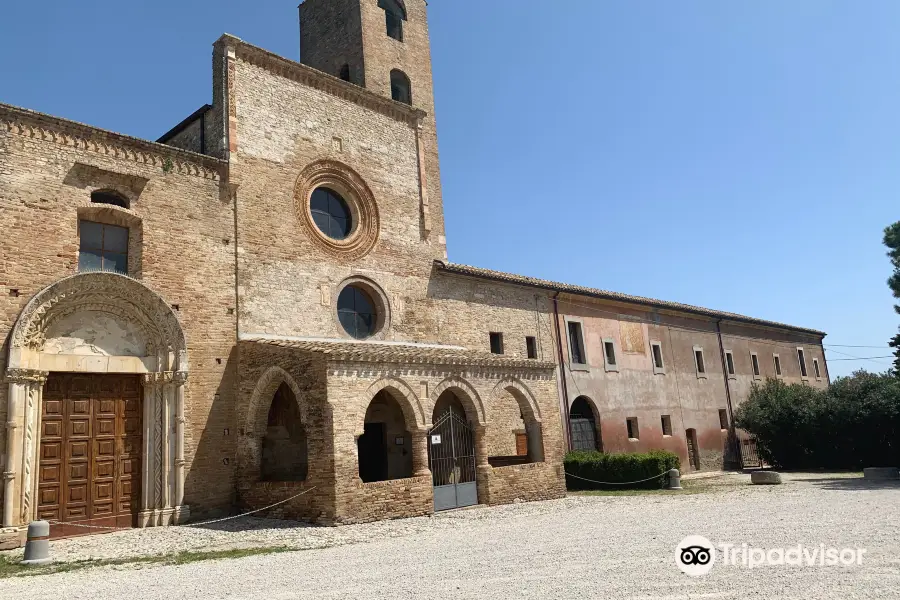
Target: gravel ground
580, 547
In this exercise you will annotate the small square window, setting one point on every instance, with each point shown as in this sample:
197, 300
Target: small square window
816, 368
777, 360
729, 364
723, 418
801, 358
666, 425
576, 344
531, 347
609, 354
699, 364
754, 362
496, 343
632, 424
659, 366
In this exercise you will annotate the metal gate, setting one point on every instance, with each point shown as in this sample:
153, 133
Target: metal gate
750, 455
451, 456
584, 434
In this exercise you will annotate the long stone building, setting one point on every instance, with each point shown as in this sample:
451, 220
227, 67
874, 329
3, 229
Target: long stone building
258, 307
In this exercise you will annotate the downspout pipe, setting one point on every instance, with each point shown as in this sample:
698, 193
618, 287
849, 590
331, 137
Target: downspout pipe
562, 373
732, 437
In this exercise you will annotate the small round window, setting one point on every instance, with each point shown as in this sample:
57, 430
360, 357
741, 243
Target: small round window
357, 312
331, 213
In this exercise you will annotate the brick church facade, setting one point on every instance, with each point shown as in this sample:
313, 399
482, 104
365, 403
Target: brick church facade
258, 307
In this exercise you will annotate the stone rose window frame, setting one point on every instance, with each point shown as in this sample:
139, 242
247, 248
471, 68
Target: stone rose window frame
352, 188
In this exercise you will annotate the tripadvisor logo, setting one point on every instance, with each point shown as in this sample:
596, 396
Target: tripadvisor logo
695, 556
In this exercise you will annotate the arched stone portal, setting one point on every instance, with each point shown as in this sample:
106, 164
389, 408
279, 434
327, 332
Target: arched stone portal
99, 323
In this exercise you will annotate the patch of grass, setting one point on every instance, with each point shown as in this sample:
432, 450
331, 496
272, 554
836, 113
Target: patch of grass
14, 568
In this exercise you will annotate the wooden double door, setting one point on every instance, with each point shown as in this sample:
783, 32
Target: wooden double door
90, 453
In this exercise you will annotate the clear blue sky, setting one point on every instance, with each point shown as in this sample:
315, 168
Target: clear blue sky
739, 156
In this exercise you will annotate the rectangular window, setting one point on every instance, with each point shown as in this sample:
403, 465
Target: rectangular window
394, 25
729, 363
576, 344
496, 343
609, 353
801, 358
723, 418
698, 361
816, 368
658, 364
666, 425
102, 247
531, 347
754, 361
632, 424
777, 365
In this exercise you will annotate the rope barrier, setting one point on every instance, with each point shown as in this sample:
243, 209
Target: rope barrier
617, 482
211, 521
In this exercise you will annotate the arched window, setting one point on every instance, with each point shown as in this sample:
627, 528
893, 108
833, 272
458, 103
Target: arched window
401, 90
395, 14
284, 447
345, 73
108, 197
583, 425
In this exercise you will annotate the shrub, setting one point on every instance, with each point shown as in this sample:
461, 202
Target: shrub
852, 425
618, 468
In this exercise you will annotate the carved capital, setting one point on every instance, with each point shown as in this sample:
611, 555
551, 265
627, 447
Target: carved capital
180, 462
9, 475
11, 425
23, 376
180, 378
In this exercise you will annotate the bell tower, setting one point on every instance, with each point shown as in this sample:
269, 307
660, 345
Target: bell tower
383, 46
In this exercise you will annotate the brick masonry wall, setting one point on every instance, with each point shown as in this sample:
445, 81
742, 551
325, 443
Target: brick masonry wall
187, 257
524, 483
307, 380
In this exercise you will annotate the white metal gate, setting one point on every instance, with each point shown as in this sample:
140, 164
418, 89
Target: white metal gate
451, 456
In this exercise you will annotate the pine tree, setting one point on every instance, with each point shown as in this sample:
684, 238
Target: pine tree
892, 241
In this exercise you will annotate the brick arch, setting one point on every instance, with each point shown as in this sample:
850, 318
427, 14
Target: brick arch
257, 415
413, 412
524, 397
467, 395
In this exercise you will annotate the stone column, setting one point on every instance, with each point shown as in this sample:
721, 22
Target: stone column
23, 414
148, 489
420, 453
535, 434
481, 453
181, 512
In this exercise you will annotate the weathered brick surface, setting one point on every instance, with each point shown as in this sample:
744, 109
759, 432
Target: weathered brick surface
48, 169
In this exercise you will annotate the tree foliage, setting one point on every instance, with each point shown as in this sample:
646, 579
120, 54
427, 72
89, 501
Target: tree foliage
852, 425
892, 241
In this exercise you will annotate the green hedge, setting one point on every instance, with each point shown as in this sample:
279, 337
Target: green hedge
619, 468
851, 425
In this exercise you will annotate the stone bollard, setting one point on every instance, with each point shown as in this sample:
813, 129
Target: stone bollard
881, 473
37, 547
765, 478
675, 480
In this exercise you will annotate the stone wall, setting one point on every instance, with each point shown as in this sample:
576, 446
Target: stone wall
48, 169
523, 483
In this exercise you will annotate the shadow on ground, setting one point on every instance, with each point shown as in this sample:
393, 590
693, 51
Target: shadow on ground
853, 484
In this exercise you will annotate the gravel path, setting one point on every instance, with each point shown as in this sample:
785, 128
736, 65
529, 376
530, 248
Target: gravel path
580, 547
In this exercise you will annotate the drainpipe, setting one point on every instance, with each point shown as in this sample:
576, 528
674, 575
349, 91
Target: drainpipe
732, 437
562, 372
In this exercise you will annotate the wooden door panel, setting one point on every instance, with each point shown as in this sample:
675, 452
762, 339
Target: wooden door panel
90, 451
